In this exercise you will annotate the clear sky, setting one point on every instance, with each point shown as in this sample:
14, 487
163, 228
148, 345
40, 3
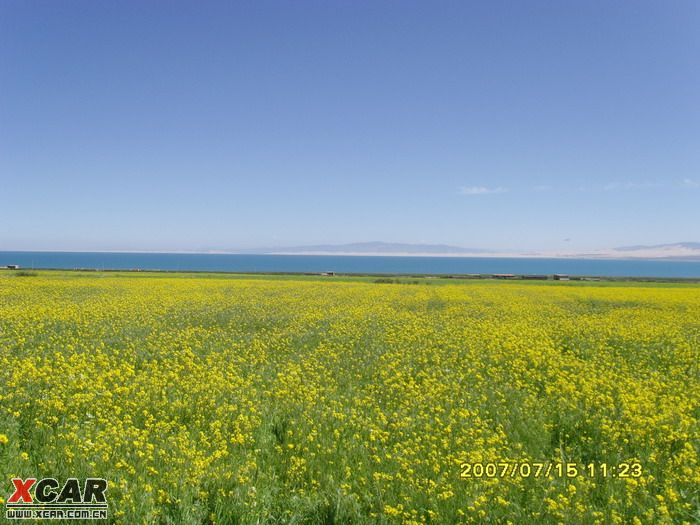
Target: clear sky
541, 125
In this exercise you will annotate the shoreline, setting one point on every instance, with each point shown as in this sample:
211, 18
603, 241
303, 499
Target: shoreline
429, 277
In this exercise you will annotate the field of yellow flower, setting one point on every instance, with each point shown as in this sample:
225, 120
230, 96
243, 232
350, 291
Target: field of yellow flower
241, 400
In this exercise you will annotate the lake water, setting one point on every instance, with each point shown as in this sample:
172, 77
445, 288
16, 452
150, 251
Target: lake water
350, 264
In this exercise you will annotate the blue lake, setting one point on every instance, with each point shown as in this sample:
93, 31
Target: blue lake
349, 264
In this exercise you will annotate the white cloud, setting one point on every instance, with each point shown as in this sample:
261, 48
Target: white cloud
690, 183
480, 190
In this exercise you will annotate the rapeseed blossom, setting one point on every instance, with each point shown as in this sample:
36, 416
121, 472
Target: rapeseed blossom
265, 400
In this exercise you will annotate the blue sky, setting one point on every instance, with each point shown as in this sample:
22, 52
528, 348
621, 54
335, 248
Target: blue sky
195, 125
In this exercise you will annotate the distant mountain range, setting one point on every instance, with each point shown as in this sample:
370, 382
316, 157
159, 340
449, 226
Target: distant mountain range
680, 251
675, 246
369, 248
689, 251
378, 247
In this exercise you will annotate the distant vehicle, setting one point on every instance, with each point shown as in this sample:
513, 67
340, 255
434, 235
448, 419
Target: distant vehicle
13, 266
